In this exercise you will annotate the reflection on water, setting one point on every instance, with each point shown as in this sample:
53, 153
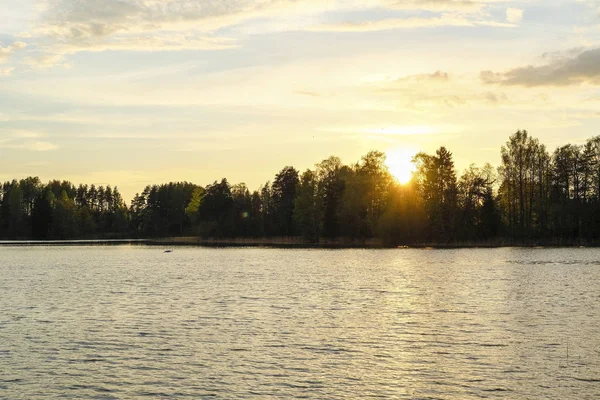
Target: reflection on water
122, 322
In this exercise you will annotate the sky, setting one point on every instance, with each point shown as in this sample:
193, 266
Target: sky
136, 92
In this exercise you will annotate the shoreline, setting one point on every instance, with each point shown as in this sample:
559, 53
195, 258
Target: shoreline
297, 243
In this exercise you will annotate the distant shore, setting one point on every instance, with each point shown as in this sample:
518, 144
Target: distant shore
282, 242
294, 242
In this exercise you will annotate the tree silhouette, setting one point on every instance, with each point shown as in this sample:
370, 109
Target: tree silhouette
534, 196
283, 193
438, 187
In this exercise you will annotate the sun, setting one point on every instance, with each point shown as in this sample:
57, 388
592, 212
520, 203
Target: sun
399, 164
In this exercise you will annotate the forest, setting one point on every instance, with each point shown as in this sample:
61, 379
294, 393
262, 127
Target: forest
534, 196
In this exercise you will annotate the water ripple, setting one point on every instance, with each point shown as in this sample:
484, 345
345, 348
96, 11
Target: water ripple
124, 322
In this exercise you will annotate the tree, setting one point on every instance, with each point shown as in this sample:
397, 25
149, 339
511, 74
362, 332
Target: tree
534, 196
12, 210
242, 209
216, 210
41, 215
404, 219
376, 183
137, 211
331, 189
476, 203
283, 195
524, 184
308, 207
64, 224
30, 188
267, 209
193, 206
437, 184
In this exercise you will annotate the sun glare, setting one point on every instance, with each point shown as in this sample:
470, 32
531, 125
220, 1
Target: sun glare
403, 130
400, 165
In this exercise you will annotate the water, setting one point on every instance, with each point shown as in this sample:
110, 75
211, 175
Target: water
131, 321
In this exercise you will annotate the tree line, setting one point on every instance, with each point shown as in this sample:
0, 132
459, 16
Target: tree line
533, 195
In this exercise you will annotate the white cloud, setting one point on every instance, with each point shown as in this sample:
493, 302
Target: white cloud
410, 23
26, 143
38, 146
393, 23
70, 26
436, 92
437, 5
170, 42
45, 60
6, 71
514, 15
25, 140
27, 134
437, 76
6, 52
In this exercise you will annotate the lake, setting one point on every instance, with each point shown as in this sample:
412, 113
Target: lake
112, 322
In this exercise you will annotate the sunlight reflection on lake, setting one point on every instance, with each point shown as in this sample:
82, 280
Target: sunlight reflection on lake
132, 321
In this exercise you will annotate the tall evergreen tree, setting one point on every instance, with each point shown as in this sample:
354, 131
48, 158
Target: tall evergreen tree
283, 194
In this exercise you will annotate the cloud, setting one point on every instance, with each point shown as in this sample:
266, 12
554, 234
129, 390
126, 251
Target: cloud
170, 42
70, 26
560, 71
30, 145
307, 93
37, 145
437, 76
44, 60
27, 134
6, 71
392, 23
493, 98
25, 140
6, 52
407, 23
74, 21
437, 5
448, 100
514, 15
437, 91
490, 76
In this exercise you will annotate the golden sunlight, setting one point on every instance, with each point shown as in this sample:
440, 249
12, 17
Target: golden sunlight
403, 130
400, 165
